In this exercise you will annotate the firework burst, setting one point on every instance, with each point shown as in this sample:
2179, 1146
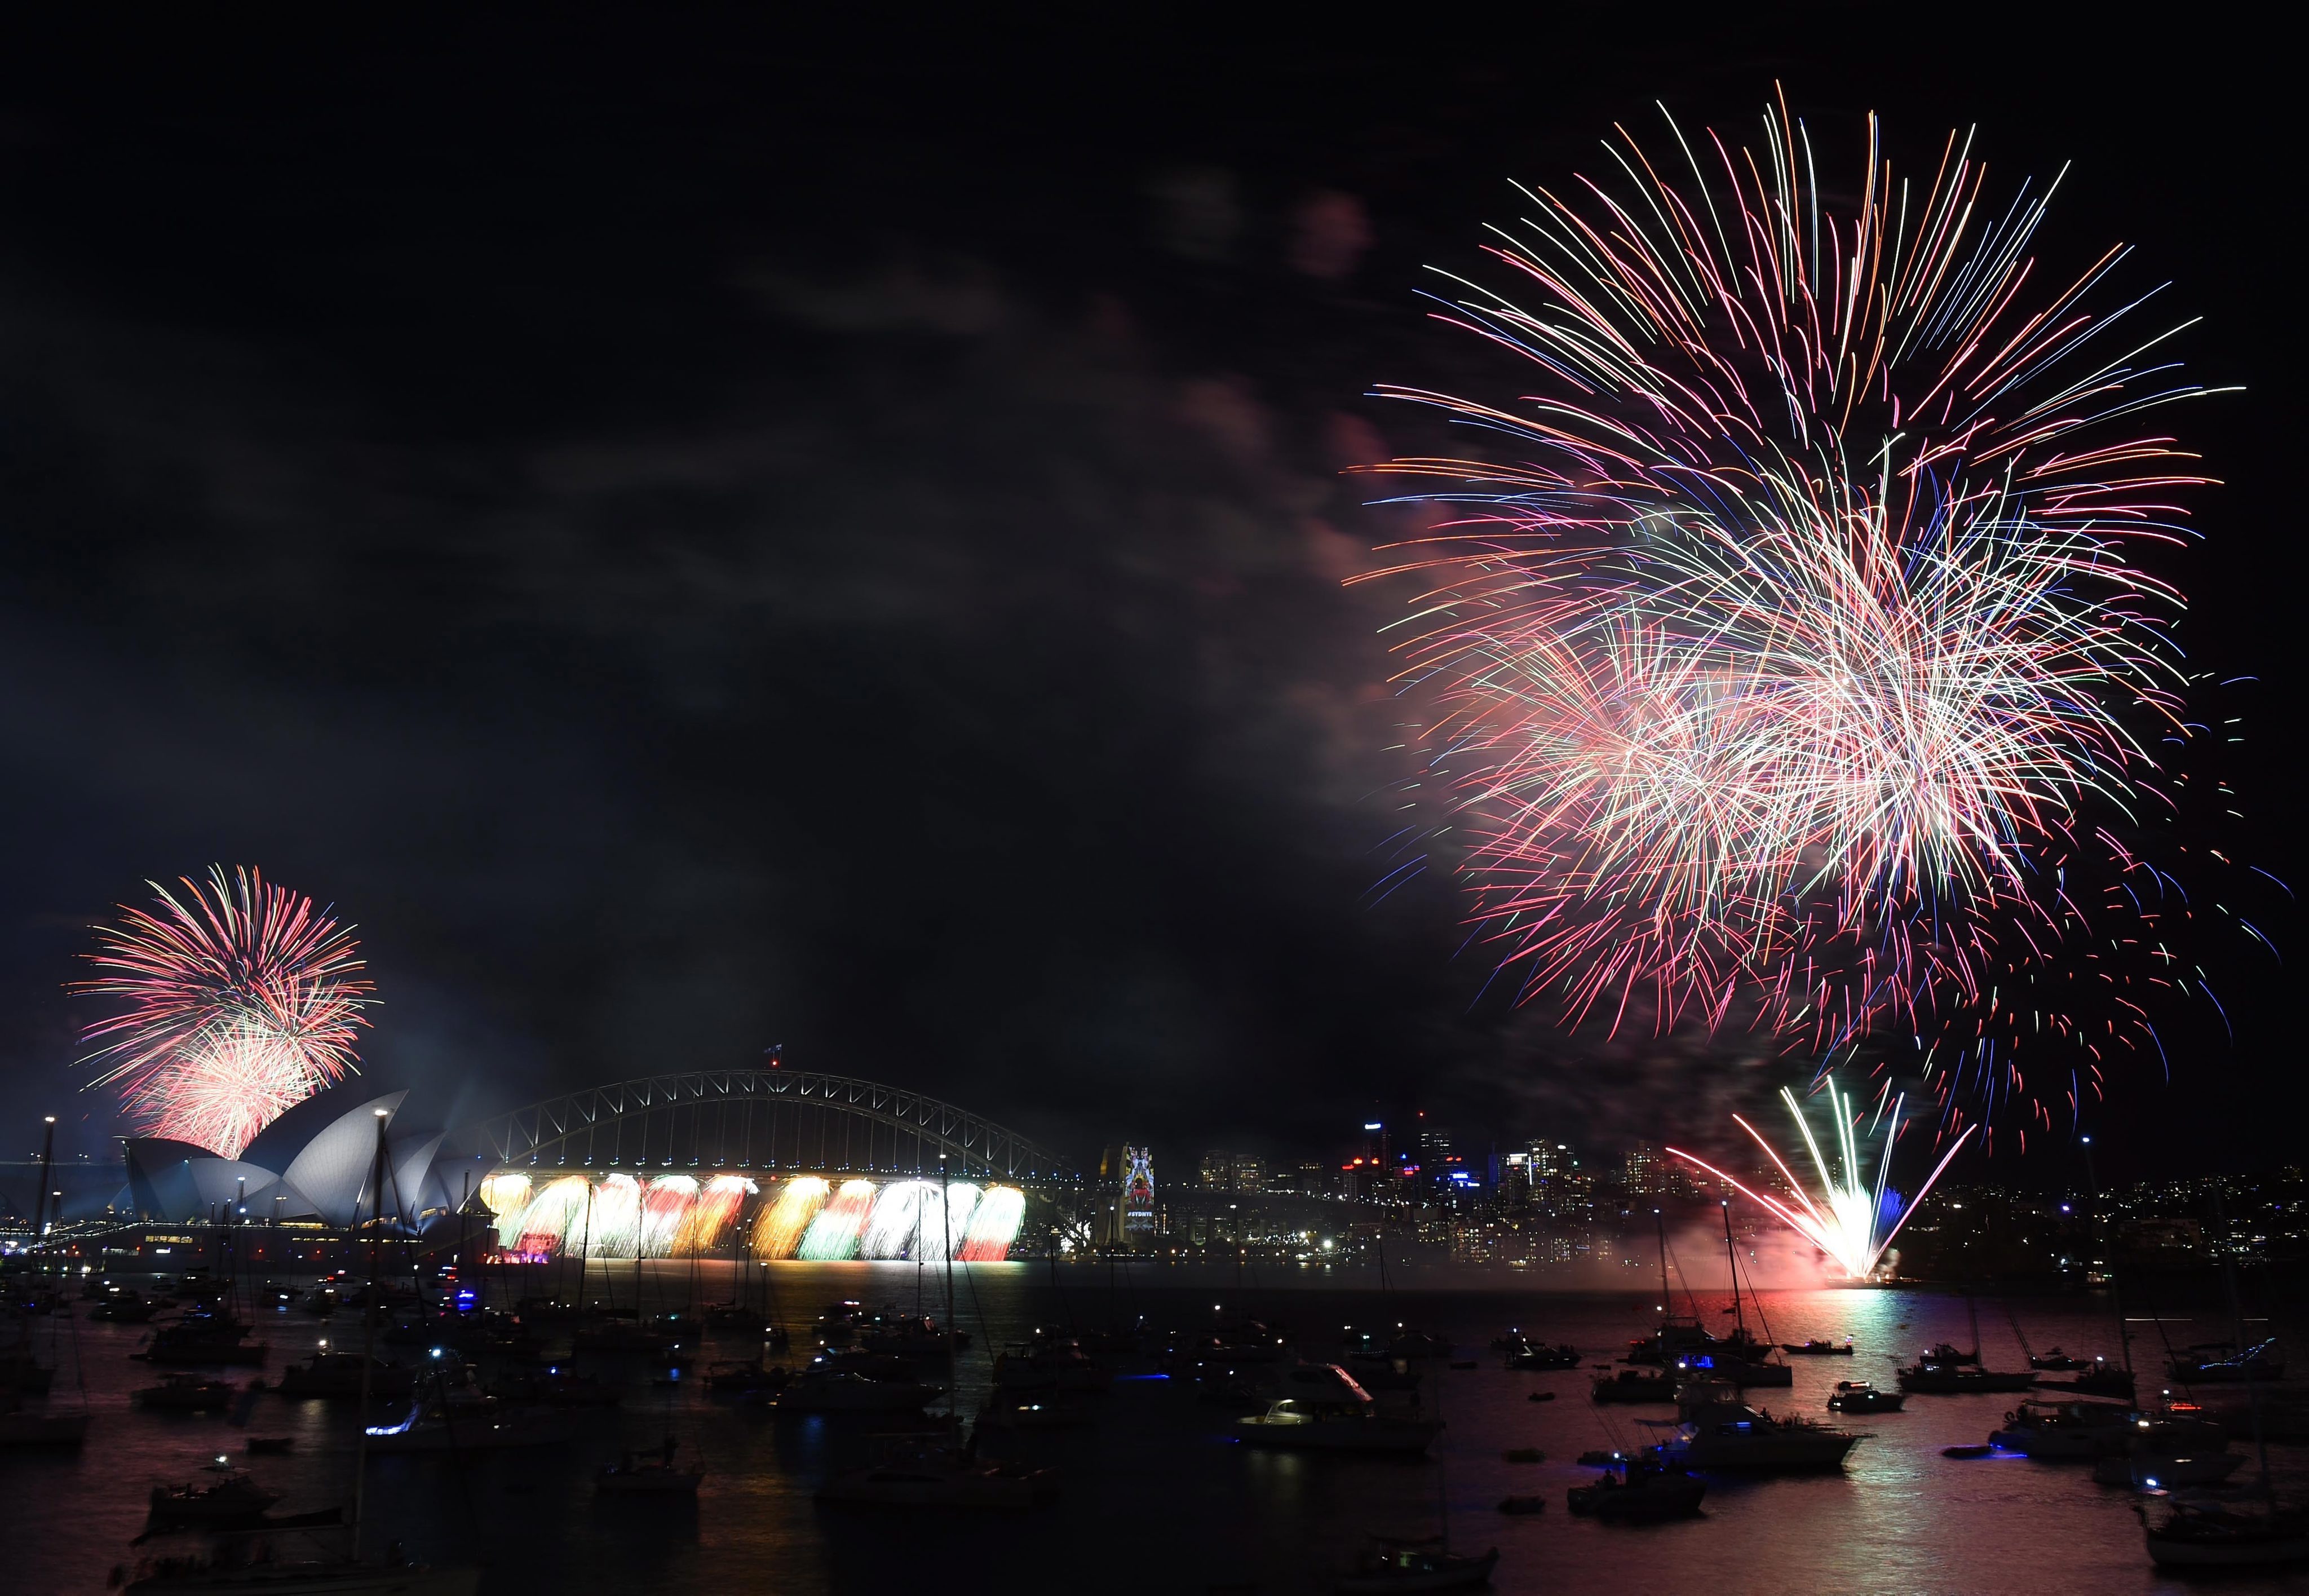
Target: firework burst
241, 1000
1779, 670
778, 1231
1843, 1220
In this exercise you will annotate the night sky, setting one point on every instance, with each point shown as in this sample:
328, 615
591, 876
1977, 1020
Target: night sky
696, 539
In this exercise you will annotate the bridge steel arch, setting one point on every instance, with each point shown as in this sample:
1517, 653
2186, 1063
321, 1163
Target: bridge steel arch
766, 1120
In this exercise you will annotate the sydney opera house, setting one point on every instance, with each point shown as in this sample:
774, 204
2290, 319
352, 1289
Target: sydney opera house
777, 1164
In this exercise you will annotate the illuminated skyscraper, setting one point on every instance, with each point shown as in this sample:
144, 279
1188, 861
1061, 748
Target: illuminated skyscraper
1125, 1215
1139, 1196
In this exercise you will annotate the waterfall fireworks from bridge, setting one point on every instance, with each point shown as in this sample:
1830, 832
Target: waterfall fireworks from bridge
806, 1217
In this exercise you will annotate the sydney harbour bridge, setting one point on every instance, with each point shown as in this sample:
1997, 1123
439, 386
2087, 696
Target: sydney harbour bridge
789, 1163
769, 1120
798, 1163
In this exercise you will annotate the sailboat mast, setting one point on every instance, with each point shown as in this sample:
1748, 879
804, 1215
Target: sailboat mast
2244, 1352
1731, 1257
370, 1309
946, 1223
41, 1220
1659, 1221
2100, 1243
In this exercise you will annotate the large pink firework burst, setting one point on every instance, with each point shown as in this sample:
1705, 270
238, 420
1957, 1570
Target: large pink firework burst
241, 999
1780, 651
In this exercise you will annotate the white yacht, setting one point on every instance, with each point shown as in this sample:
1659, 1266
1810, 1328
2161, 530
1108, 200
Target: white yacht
1716, 1430
1338, 1417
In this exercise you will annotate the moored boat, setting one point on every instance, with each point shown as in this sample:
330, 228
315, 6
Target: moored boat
2062, 1432
1527, 1356
1718, 1431
1858, 1396
338, 1375
450, 1427
186, 1393
643, 1475
1643, 1493
1946, 1372
1629, 1386
1417, 1565
2210, 1536
2220, 1361
233, 1502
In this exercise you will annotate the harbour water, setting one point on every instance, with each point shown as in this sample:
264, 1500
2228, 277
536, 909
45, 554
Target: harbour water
1156, 1496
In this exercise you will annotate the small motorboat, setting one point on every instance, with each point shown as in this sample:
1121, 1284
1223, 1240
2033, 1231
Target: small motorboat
2104, 1379
642, 1475
1739, 1371
2220, 1361
2057, 1359
2166, 1451
1857, 1396
1818, 1348
1563, 1356
1602, 1460
235, 1501
1050, 1363
2183, 1473
907, 1335
339, 1373
557, 1387
1524, 1455
1417, 1565
1523, 1504
736, 1379
439, 1427
1052, 1410
186, 1393
1341, 1423
735, 1315
1631, 1386
1718, 1431
1978, 1449
1539, 1396
1957, 1377
1643, 1493
2062, 1431
2210, 1535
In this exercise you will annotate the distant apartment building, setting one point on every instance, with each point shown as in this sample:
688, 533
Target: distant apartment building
1234, 1171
